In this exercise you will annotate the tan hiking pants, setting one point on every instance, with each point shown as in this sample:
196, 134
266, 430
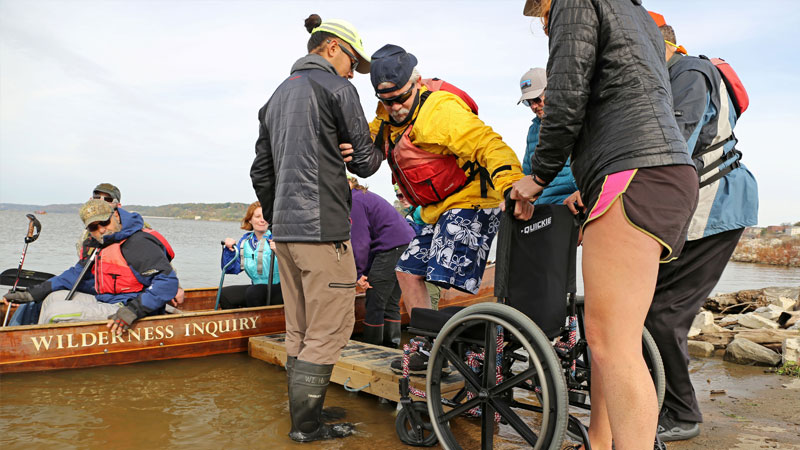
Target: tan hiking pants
319, 289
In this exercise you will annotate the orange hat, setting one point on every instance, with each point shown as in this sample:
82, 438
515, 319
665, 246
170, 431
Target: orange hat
660, 22
658, 18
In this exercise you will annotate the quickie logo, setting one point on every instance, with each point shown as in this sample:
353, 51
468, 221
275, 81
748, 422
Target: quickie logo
536, 226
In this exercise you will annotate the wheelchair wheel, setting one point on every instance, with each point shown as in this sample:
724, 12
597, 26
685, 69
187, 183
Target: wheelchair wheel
408, 433
656, 366
529, 367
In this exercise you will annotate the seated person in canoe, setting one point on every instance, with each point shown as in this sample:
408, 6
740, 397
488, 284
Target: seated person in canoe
255, 258
128, 277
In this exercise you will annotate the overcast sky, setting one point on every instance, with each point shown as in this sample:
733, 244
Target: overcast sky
161, 97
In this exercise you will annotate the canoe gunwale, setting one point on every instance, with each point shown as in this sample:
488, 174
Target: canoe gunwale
20, 346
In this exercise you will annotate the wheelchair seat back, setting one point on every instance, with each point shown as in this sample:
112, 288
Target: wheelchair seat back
536, 265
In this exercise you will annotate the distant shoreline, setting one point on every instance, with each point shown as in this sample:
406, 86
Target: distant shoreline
214, 212
771, 250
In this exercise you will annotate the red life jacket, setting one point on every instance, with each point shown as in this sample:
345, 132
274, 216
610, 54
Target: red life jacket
163, 241
424, 177
113, 275
733, 84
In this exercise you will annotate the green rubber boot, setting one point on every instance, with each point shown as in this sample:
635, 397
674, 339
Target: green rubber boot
308, 384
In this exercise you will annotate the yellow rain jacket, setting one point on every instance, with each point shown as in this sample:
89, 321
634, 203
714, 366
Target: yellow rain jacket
445, 125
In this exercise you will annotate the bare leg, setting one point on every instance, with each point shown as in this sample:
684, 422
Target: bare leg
415, 294
599, 428
620, 266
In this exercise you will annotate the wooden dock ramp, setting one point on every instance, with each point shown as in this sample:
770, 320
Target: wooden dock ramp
361, 365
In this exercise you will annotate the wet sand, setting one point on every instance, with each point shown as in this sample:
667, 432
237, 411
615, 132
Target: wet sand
757, 410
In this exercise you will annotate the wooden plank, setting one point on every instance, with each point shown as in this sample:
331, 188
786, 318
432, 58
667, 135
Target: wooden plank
360, 365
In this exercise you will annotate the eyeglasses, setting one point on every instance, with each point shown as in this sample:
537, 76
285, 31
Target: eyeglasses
95, 225
103, 197
533, 101
398, 98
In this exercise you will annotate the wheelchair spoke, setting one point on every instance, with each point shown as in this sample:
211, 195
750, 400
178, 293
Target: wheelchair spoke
513, 381
490, 357
514, 420
487, 426
463, 369
460, 409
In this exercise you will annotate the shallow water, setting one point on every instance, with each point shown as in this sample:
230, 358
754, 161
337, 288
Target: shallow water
230, 401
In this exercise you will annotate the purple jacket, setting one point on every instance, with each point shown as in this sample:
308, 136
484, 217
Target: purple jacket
376, 227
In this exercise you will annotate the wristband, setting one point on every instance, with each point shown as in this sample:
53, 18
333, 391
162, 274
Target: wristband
542, 184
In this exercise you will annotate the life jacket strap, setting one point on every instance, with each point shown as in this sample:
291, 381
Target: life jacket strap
734, 153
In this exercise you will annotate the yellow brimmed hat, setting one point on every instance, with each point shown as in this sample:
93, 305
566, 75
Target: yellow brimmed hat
348, 33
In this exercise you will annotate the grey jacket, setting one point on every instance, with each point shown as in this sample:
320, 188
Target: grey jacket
298, 173
609, 103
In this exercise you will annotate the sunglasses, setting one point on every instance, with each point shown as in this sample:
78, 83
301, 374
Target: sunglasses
400, 196
398, 98
95, 225
103, 197
533, 101
353, 59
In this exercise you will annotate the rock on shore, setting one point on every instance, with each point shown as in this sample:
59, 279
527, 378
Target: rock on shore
752, 327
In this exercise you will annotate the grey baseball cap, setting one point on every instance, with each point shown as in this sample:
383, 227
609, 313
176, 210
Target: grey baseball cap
532, 84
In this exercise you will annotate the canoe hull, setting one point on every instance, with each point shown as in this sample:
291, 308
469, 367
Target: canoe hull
196, 332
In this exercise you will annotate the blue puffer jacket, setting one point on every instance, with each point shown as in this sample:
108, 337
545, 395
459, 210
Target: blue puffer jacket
248, 253
562, 185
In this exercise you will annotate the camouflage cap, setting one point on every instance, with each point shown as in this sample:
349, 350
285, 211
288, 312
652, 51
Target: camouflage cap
110, 189
96, 210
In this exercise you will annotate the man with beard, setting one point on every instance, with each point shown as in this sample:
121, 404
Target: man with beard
417, 122
130, 278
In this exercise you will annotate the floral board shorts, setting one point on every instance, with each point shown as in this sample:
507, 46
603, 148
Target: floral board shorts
453, 251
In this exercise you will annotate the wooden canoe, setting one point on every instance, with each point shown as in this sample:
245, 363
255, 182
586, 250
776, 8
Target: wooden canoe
197, 331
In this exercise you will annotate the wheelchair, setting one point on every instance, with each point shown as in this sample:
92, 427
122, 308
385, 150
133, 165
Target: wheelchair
524, 360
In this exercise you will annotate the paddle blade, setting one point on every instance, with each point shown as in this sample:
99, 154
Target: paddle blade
27, 278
